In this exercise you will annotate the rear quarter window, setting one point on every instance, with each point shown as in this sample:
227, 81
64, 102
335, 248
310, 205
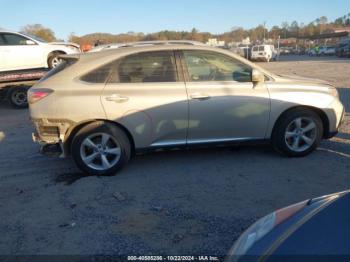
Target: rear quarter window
63, 65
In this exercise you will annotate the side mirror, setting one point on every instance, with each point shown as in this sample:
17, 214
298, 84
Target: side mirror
30, 42
257, 76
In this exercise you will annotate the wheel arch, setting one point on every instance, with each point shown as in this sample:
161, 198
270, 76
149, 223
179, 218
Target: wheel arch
319, 112
54, 52
70, 134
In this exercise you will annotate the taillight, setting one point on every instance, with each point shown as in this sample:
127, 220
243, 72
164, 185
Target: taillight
263, 226
34, 95
285, 213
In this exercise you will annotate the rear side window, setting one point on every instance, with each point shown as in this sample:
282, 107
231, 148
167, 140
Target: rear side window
262, 48
149, 67
63, 65
98, 75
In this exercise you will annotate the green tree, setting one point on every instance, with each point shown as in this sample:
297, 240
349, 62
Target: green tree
39, 31
285, 27
74, 38
294, 29
275, 32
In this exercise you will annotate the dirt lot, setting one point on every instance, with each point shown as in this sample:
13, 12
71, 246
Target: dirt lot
188, 202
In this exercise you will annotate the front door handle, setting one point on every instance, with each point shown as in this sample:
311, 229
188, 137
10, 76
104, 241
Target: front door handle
200, 96
117, 98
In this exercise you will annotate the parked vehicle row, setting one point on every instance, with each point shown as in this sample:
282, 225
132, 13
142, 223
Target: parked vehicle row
322, 51
264, 53
343, 49
120, 101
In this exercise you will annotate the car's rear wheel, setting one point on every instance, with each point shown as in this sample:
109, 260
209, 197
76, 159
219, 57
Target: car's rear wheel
298, 133
101, 149
18, 97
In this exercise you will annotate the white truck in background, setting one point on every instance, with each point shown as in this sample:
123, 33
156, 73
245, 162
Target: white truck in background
264, 53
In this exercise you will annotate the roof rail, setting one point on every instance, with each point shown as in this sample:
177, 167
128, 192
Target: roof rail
145, 43
166, 42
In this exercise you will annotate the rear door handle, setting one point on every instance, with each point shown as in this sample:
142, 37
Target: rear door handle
200, 96
117, 98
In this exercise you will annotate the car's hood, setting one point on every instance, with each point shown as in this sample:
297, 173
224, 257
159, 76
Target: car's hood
302, 80
64, 44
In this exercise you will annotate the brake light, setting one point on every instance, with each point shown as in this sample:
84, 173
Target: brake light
285, 213
34, 95
263, 226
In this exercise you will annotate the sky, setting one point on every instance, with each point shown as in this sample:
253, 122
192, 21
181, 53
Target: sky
120, 16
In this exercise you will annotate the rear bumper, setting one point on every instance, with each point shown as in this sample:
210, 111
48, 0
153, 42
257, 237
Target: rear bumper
50, 149
51, 134
257, 57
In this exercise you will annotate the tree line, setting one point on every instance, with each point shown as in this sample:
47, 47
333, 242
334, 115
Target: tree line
236, 34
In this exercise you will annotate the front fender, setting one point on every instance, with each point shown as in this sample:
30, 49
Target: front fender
284, 98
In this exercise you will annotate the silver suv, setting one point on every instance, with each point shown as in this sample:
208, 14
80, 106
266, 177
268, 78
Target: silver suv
103, 107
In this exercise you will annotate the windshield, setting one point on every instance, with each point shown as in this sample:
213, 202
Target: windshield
35, 37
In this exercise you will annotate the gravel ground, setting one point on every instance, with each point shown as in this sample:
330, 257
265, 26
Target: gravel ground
177, 202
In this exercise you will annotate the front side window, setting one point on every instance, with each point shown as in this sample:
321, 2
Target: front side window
150, 67
35, 37
12, 39
205, 66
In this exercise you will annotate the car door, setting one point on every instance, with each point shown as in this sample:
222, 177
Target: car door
147, 96
21, 53
224, 104
2, 52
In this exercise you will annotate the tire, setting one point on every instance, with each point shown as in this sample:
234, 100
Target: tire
17, 96
53, 60
89, 157
293, 141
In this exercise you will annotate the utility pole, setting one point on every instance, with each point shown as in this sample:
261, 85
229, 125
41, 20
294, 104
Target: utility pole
278, 47
264, 24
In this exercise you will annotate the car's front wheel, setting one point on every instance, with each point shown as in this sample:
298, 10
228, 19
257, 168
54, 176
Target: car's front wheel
101, 149
298, 133
54, 60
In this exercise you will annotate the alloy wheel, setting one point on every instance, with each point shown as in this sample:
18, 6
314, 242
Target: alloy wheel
56, 61
100, 151
301, 134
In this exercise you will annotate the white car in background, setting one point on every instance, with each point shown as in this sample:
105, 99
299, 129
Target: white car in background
327, 50
19, 51
264, 53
